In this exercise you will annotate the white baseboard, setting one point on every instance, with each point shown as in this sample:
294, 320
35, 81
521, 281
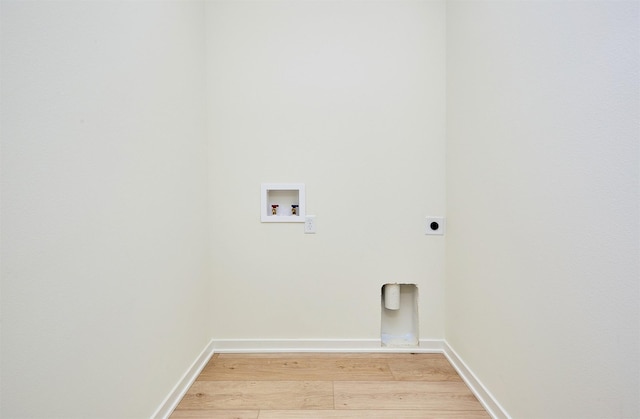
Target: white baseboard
319, 345
479, 390
171, 401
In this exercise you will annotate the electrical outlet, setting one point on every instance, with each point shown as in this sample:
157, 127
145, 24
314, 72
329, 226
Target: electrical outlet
310, 224
434, 226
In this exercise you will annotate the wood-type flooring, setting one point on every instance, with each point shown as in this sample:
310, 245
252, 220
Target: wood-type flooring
326, 386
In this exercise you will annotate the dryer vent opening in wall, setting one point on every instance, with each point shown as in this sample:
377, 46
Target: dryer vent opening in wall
399, 320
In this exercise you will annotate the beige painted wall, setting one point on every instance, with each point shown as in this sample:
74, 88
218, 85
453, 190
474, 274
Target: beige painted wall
104, 203
120, 120
542, 185
348, 98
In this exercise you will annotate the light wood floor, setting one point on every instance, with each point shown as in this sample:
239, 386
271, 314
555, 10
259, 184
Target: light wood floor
321, 386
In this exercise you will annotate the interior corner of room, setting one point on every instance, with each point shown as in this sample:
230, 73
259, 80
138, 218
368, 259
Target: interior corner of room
135, 241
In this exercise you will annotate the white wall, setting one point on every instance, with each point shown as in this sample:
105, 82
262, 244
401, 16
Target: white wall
348, 98
105, 182
542, 195
104, 205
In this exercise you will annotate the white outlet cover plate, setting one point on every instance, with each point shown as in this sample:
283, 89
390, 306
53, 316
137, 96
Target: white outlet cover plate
310, 224
434, 226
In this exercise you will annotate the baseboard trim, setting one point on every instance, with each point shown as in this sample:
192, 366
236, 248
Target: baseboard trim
171, 401
479, 390
320, 345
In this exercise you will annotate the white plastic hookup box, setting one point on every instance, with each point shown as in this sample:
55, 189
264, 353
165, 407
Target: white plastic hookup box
282, 203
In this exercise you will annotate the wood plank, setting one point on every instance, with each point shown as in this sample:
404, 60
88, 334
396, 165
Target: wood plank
423, 369
410, 395
372, 414
292, 367
249, 395
215, 414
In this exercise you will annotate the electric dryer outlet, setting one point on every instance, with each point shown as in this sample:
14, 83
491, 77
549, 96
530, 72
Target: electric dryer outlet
434, 226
